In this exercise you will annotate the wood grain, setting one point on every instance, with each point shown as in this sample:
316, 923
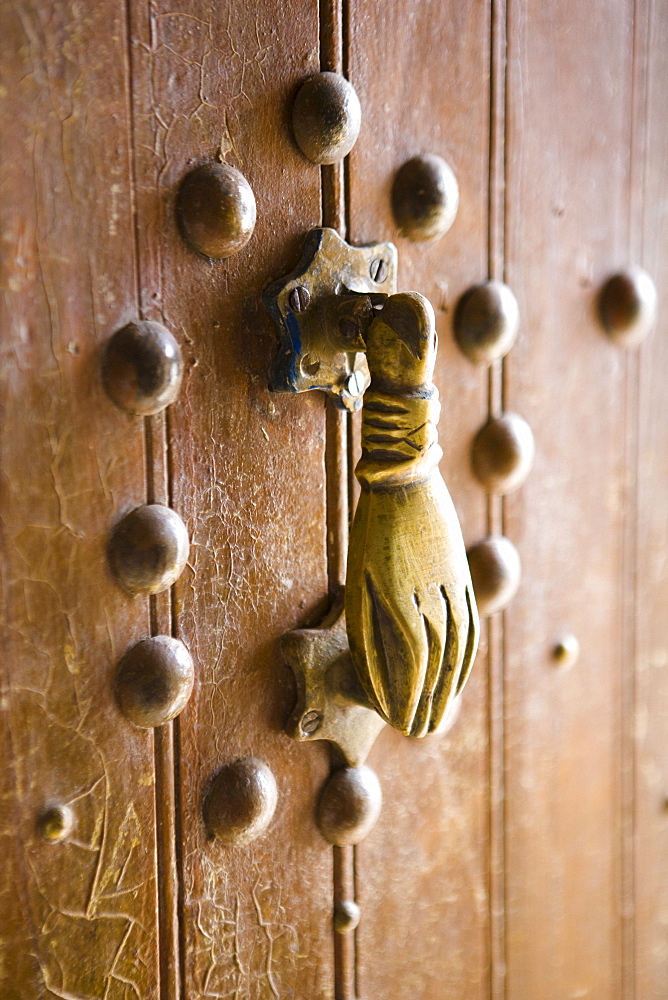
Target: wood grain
569, 128
78, 917
247, 472
421, 74
649, 723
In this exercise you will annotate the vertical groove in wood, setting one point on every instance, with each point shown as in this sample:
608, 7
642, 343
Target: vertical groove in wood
158, 490
495, 508
338, 474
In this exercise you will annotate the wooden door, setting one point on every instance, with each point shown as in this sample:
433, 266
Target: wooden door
522, 855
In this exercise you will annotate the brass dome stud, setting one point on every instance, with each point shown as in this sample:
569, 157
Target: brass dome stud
241, 802
566, 652
154, 681
142, 368
502, 453
349, 805
486, 322
326, 118
627, 306
148, 549
425, 198
216, 210
55, 824
495, 571
346, 916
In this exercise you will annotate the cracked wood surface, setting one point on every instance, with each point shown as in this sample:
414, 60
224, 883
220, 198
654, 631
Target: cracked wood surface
103, 110
215, 81
78, 918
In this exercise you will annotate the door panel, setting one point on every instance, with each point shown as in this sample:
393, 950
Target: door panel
72, 465
523, 854
567, 230
247, 475
422, 873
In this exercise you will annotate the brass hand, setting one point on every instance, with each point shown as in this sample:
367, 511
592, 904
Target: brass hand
411, 617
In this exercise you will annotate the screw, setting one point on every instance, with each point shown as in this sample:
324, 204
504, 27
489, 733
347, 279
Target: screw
355, 383
299, 298
378, 270
310, 722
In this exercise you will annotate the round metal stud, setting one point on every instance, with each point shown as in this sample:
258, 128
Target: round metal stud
216, 210
566, 652
627, 306
425, 198
148, 549
486, 322
55, 824
349, 805
241, 802
154, 681
326, 118
346, 916
502, 453
495, 571
142, 368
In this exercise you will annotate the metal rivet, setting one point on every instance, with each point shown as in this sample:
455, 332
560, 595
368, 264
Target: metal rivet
349, 805
495, 571
346, 916
154, 681
378, 270
566, 652
486, 322
148, 549
627, 306
241, 802
55, 824
326, 118
310, 722
299, 299
355, 383
425, 197
502, 453
216, 210
142, 368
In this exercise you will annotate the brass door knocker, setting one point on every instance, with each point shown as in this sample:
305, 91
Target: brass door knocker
399, 644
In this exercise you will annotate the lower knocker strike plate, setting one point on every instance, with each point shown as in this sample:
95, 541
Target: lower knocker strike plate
321, 344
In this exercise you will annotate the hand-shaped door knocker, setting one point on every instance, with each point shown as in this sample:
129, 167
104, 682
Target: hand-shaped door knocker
398, 646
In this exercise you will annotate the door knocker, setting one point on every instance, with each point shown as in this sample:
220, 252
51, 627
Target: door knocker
398, 645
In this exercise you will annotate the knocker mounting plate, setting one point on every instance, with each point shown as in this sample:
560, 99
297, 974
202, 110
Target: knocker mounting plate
316, 311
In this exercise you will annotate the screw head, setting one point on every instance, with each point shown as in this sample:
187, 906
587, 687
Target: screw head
355, 383
378, 270
310, 722
299, 299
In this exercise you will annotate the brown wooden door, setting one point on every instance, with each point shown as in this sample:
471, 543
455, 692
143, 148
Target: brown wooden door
524, 854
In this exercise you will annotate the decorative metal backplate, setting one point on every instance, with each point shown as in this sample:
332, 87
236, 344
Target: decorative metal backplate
321, 347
